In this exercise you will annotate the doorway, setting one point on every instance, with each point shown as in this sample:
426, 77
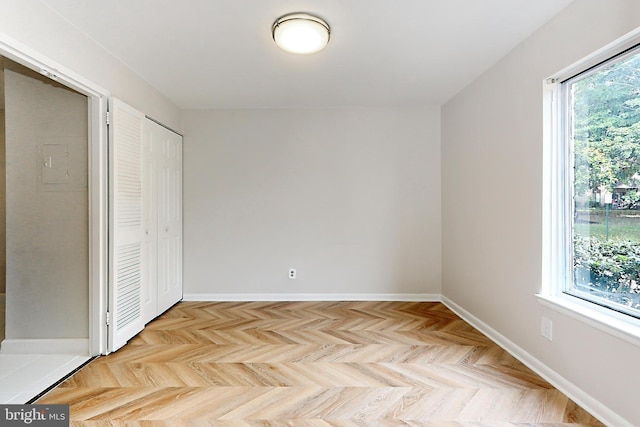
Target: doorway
56, 214
46, 213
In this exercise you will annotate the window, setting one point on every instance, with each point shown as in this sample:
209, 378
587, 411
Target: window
602, 109
592, 215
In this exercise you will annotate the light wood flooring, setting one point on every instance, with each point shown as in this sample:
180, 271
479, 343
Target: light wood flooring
313, 364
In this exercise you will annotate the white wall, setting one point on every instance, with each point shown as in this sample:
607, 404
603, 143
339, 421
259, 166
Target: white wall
47, 241
349, 197
38, 27
492, 189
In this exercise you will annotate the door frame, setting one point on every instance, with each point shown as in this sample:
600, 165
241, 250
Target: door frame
98, 191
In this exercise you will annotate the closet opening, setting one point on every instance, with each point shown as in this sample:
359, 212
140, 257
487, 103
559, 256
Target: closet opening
45, 210
53, 222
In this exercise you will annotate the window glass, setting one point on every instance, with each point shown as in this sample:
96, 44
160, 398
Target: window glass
603, 132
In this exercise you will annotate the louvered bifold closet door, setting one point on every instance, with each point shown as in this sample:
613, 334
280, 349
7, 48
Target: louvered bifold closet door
126, 232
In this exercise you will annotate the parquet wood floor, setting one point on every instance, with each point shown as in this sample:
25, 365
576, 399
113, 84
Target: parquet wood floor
312, 364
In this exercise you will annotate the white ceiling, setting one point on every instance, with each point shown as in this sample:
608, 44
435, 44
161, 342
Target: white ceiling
219, 53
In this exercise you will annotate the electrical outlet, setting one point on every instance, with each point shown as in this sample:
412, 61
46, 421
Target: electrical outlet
292, 273
547, 328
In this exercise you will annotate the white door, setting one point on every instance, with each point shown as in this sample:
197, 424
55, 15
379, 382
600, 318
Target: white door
125, 231
150, 149
169, 219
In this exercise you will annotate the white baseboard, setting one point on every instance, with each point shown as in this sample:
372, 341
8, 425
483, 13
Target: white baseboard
575, 393
45, 346
313, 297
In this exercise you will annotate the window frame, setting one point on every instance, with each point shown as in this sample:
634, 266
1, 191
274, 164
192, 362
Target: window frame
557, 271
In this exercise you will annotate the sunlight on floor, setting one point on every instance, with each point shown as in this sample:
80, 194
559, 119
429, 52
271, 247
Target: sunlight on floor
24, 376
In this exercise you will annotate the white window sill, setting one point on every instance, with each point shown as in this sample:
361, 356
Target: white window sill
603, 319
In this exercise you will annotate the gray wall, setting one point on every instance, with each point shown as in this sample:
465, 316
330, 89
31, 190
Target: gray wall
47, 223
492, 215
350, 197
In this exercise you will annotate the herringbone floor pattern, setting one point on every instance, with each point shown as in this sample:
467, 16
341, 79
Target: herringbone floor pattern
313, 364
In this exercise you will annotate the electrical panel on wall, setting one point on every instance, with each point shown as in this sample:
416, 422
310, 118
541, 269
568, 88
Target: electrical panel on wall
62, 164
54, 163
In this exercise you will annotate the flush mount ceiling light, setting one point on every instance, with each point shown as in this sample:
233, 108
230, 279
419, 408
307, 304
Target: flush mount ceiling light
300, 33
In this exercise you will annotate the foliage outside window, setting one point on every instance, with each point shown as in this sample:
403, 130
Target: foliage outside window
602, 113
